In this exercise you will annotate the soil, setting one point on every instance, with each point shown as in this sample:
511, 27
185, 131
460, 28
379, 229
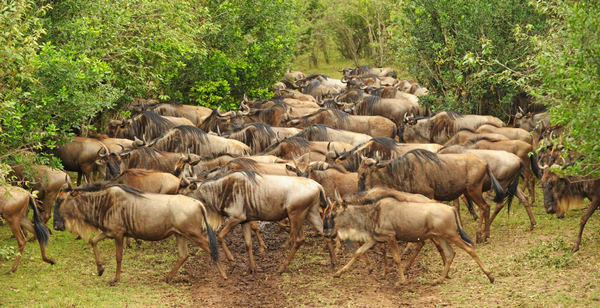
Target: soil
308, 281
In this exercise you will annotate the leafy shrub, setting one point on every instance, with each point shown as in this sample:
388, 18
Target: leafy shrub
475, 56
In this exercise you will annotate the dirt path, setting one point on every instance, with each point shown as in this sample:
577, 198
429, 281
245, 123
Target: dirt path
308, 281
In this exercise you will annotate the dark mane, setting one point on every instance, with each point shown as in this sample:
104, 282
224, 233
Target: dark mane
454, 115
338, 168
193, 132
245, 163
368, 104
150, 122
384, 146
249, 174
144, 153
423, 155
211, 122
442, 123
256, 135
388, 142
315, 132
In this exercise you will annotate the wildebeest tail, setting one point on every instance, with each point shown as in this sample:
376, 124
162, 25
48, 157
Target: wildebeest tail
470, 207
533, 159
41, 231
212, 238
461, 232
512, 189
500, 194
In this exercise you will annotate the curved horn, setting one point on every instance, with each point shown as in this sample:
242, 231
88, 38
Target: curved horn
105, 151
245, 99
277, 138
185, 181
226, 114
521, 110
335, 151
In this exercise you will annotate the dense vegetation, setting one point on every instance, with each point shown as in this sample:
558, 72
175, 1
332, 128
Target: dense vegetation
65, 63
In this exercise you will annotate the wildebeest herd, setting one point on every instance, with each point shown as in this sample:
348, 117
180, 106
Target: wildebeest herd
359, 159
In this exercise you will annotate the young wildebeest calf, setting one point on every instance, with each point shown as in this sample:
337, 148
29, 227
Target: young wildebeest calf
245, 196
13, 208
119, 210
387, 218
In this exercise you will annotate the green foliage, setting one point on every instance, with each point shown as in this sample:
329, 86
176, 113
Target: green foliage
476, 56
569, 72
8, 253
357, 29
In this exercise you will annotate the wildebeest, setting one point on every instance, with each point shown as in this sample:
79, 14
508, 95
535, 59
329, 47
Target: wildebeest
383, 148
375, 126
391, 108
521, 149
367, 69
81, 155
532, 121
464, 135
332, 177
442, 126
47, 181
247, 163
149, 181
113, 144
146, 126
186, 138
320, 132
506, 167
510, 132
245, 196
442, 177
258, 136
295, 146
196, 114
14, 202
287, 93
562, 193
141, 157
387, 218
118, 210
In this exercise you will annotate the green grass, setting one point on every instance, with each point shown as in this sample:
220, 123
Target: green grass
73, 281
532, 269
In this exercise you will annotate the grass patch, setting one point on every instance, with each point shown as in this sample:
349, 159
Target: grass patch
73, 281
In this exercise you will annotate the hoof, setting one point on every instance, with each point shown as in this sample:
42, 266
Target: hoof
492, 279
113, 282
575, 249
49, 261
100, 270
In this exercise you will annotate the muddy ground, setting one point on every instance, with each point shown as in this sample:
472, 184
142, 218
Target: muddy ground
307, 282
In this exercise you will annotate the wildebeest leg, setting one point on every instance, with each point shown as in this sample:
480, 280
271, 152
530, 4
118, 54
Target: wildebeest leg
15, 227
261, 243
527, 206
200, 239
79, 176
119, 257
26, 224
231, 222
414, 254
362, 249
471, 251
398, 259
182, 250
475, 194
296, 235
94, 243
439, 248
314, 217
246, 229
448, 252
593, 206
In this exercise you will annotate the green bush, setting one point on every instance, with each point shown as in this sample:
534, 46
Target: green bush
569, 73
474, 56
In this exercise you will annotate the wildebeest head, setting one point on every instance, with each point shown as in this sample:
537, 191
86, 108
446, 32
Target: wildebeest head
218, 122
335, 208
118, 127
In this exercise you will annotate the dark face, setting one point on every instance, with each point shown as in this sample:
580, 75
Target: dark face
549, 200
113, 166
58, 222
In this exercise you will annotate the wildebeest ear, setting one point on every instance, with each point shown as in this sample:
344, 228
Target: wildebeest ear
193, 186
